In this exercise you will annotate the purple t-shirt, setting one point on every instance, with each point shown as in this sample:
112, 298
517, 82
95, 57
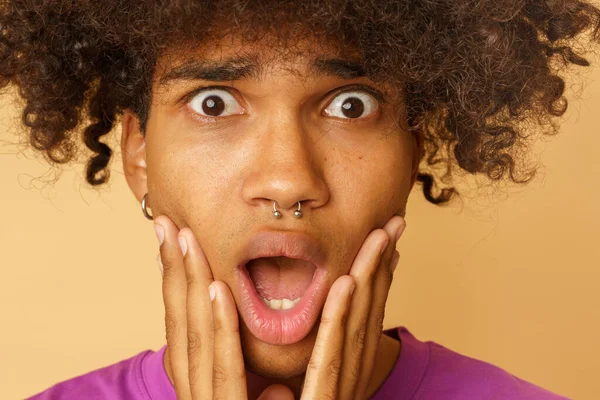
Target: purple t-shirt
424, 371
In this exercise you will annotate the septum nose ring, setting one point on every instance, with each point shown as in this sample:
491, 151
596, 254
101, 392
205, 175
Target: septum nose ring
277, 214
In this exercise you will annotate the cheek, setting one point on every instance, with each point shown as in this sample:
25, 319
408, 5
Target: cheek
190, 180
370, 188
376, 184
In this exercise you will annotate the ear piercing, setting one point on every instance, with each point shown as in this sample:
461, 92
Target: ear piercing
144, 208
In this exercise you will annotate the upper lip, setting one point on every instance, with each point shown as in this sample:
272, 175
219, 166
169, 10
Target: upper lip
287, 244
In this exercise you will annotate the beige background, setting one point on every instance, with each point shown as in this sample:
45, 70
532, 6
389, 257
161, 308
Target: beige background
510, 279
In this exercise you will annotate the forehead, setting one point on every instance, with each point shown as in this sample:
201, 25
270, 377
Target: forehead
232, 57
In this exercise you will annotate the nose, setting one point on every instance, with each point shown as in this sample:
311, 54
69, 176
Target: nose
285, 168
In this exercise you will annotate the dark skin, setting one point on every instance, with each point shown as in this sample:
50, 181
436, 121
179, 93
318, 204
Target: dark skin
211, 181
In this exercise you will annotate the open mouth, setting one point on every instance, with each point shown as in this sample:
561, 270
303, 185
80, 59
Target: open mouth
281, 282
281, 298
282, 288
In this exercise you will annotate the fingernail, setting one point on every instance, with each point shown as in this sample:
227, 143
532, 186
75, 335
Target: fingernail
183, 245
395, 260
160, 233
160, 265
211, 292
400, 231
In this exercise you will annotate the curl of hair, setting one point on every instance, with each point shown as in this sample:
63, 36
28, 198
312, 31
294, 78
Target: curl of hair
475, 73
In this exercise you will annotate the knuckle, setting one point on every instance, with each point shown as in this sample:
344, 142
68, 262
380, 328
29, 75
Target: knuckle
329, 395
171, 327
377, 328
380, 319
331, 392
190, 278
219, 375
355, 371
194, 343
330, 369
358, 339
168, 269
327, 320
313, 364
217, 325
333, 366
191, 274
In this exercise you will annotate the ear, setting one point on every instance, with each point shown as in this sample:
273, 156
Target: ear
133, 148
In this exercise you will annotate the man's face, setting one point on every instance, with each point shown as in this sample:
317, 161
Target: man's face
234, 128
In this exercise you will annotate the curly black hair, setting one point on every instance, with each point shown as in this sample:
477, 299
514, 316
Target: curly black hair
477, 74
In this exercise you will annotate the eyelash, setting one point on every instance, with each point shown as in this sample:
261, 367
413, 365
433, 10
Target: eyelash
332, 95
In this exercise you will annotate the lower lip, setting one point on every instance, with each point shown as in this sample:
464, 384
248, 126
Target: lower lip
280, 327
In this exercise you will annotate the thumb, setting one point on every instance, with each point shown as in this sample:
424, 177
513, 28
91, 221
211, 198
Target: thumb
277, 392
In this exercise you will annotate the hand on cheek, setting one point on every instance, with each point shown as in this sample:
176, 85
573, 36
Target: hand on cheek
201, 323
352, 321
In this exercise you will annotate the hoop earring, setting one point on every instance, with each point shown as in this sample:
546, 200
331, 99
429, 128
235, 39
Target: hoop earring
144, 209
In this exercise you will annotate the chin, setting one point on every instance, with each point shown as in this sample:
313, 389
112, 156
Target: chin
276, 361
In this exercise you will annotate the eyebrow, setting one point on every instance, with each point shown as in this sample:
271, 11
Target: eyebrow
339, 67
234, 69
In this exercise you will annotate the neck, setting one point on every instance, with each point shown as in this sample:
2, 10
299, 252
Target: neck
387, 356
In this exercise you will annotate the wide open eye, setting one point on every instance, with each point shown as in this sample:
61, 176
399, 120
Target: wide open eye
215, 103
352, 105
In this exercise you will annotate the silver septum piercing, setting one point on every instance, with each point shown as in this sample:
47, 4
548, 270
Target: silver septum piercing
145, 210
277, 214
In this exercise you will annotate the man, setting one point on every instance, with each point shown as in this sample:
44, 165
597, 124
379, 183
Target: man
276, 161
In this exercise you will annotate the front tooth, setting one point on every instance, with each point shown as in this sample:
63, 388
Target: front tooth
275, 304
281, 304
286, 304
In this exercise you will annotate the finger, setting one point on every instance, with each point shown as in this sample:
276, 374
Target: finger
323, 371
174, 288
362, 270
199, 316
229, 375
382, 283
277, 392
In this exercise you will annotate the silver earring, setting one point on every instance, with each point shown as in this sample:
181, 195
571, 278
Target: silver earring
144, 209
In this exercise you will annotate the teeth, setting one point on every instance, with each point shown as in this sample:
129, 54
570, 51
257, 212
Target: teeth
281, 304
